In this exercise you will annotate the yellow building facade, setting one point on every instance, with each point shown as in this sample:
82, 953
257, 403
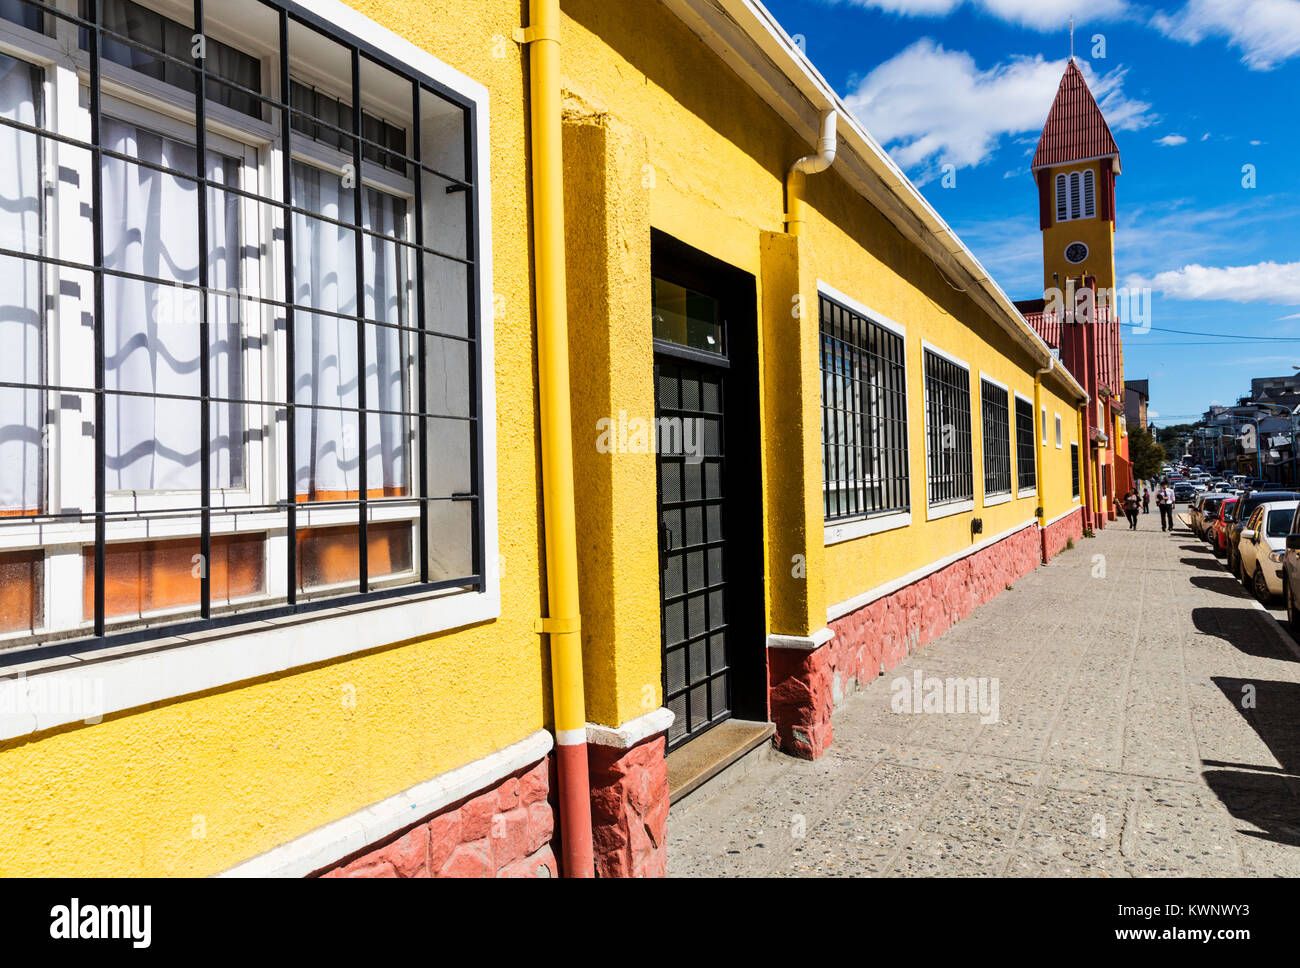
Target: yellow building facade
862, 473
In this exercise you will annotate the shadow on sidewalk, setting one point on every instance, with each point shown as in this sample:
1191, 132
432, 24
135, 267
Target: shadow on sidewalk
1263, 795
1243, 629
1224, 584
1205, 564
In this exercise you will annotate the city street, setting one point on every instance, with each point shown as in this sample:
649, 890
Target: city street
1148, 724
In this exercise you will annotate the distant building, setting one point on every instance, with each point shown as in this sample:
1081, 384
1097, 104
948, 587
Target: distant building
1136, 395
1281, 390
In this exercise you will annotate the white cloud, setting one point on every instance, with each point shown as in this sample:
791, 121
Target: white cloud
1152, 415
1040, 15
931, 106
1266, 282
1267, 32
1206, 136
1288, 318
1170, 140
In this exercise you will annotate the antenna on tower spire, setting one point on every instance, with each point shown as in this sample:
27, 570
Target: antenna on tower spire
1071, 39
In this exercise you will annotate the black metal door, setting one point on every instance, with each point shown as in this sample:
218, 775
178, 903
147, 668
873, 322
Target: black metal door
693, 588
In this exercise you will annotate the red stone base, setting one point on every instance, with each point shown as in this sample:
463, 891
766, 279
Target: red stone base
502, 831
1057, 534
629, 808
805, 686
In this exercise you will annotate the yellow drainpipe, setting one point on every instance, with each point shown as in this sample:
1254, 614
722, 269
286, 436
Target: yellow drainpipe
563, 626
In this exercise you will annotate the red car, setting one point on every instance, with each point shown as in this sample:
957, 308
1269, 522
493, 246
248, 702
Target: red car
1219, 530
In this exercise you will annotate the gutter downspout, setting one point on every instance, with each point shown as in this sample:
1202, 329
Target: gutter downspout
1085, 462
1040, 511
563, 624
809, 165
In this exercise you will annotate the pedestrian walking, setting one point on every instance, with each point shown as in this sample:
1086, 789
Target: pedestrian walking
1165, 502
1132, 503
1146, 500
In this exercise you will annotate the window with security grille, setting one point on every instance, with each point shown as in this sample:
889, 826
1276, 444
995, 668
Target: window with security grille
949, 457
239, 323
1026, 456
1074, 470
996, 429
864, 415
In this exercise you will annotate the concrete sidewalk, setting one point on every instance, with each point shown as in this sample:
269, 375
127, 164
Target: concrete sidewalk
1148, 723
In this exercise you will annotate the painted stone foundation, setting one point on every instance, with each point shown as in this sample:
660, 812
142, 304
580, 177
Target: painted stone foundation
502, 831
1059, 533
629, 808
805, 686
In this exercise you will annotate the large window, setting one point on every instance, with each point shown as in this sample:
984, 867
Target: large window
1026, 453
864, 415
1074, 470
950, 463
239, 332
1076, 195
996, 430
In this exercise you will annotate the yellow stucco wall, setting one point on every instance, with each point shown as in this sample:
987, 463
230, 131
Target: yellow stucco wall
660, 135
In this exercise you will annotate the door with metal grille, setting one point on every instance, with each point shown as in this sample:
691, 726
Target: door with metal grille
695, 606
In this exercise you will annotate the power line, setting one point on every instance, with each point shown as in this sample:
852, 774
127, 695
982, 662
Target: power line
1231, 337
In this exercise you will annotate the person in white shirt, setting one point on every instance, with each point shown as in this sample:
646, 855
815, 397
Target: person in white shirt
1165, 501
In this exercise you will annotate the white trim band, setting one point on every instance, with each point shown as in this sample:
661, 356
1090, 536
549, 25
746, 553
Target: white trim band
806, 643
187, 664
880, 591
342, 838
848, 530
1061, 517
633, 731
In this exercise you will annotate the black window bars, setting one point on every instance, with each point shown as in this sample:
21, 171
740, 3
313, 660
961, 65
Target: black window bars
996, 423
1026, 447
437, 335
1074, 470
948, 430
864, 415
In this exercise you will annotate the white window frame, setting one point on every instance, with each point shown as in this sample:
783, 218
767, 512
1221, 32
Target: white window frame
998, 497
1076, 194
1024, 492
945, 509
1059, 433
846, 529
245, 648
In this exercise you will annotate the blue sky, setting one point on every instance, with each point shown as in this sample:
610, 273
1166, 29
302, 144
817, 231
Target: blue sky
1194, 91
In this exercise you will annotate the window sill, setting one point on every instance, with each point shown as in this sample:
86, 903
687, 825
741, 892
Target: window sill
1028, 492
997, 499
85, 686
848, 530
935, 512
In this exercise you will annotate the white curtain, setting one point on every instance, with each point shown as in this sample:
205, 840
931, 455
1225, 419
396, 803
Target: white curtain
328, 459
151, 330
21, 329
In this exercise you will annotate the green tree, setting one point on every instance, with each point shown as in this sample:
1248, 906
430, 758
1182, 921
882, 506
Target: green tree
1145, 454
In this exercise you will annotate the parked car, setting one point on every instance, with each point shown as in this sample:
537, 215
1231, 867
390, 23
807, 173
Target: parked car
1205, 509
1184, 491
1262, 546
1244, 509
1219, 532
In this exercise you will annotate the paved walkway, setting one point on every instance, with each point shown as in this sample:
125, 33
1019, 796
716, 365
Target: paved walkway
1122, 747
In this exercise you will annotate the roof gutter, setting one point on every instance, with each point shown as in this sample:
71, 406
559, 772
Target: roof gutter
751, 42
